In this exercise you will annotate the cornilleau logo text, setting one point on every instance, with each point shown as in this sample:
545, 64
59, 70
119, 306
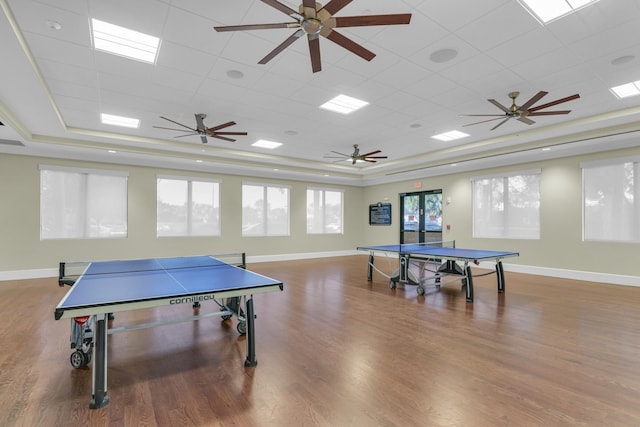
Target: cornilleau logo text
196, 298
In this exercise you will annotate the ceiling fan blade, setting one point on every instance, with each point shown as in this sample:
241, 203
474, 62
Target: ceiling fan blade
179, 130
282, 8
350, 45
215, 135
501, 123
179, 124
256, 26
203, 138
481, 115
500, 106
341, 154
336, 5
526, 120
230, 133
370, 20
484, 121
548, 113
537, 97
369, 160
556, 102
224, 125
371, 153
282, 46
314, 51
376, 157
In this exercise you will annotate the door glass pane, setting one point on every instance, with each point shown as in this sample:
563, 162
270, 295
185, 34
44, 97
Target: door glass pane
411, 220
433, 212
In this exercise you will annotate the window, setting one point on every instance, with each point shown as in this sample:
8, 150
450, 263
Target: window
187, 207
507, 206
324, 211
609, 195
265, 210
82, 203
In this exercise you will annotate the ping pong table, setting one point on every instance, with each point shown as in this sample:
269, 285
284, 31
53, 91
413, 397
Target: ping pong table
99, 289
439, 258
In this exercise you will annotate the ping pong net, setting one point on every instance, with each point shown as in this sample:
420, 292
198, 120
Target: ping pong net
412, 247
70, 272
432, 243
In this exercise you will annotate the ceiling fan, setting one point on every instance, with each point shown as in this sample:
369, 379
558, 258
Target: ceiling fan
314, 20
523, 112
355, 156
202, 130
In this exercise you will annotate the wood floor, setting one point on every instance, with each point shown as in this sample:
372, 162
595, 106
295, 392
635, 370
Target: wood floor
336, 350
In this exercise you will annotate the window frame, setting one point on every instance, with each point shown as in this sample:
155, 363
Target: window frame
86, 232
189, 205
323, 191
265, 216
615, 221
506, 229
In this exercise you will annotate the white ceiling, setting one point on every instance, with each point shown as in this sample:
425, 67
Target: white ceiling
53, 86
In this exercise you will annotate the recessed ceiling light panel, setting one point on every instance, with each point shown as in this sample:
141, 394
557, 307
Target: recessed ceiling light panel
627, 90
344, 104
127, 122
450, 136
546, 11
124, 42
263, 143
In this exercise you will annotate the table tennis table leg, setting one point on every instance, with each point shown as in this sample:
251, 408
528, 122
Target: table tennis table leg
99, 397
251, 338
468, 278
500, 275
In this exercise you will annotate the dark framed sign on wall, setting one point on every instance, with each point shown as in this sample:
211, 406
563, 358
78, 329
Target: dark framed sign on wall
380, 214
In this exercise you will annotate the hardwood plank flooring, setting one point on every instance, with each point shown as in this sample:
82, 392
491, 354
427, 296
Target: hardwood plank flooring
336, 350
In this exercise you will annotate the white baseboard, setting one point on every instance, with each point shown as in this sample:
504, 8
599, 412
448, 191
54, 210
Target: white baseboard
589, 276
291, 257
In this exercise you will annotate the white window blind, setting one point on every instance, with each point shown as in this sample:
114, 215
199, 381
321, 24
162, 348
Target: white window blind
324, 211
507, 205
82, 203
611, 211
187, 207
265, 210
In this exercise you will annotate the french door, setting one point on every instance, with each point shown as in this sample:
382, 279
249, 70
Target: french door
421, 215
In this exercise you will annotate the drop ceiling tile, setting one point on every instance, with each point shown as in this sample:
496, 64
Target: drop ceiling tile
492, 29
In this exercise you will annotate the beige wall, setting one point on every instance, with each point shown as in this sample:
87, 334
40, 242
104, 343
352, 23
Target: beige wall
22, 249
560, 246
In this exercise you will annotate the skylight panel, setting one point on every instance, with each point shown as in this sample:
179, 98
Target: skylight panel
546, 11
627, 90
450, 136
124, 42
127, 122
263, 143
344, 104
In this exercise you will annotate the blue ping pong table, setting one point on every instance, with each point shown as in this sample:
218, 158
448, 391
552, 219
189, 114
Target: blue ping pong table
445, 257
99, 289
